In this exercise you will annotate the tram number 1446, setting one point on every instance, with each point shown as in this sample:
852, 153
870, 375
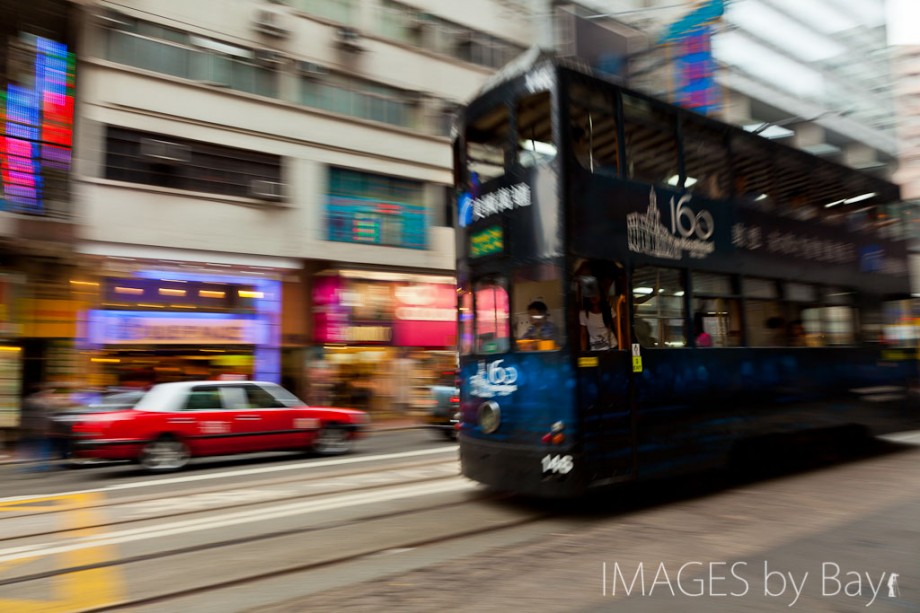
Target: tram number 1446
559, 464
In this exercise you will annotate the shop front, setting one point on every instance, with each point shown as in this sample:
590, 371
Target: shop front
380, 338
139, 348
152, 322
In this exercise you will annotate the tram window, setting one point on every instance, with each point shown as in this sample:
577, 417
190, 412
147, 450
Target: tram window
763, 312
793, 186
658, 298
492, 317
705, 161
805, 327
535, 130
834, 322
715, 311
538, 310
651, 142
487, 144
465, 322
898, 329
595, 144
752, 167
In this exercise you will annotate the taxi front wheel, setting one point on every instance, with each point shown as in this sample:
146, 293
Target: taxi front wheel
164, 454
332, 439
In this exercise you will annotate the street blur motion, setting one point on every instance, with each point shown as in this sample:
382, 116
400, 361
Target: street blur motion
264, 201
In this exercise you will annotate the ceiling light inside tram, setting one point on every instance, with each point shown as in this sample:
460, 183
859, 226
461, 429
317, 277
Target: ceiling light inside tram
547, 149
675, 179
859, 198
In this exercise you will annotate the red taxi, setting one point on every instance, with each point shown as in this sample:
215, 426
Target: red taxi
174, 422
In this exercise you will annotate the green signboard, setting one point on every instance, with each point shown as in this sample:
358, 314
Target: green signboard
487, 241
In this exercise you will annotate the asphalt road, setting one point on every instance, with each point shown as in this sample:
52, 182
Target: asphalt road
393, 527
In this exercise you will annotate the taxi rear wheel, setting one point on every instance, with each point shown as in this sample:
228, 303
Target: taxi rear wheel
164, 454
332, 439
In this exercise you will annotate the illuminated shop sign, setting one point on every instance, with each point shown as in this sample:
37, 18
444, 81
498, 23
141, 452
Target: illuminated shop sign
391, 313
37, 122
146, 328
489, 241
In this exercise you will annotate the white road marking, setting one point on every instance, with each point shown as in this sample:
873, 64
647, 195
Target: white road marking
238, 473
231, 519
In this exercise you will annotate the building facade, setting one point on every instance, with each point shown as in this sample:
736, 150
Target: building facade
261, 188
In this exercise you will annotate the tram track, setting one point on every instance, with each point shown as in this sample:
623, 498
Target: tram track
322, 545
395, 474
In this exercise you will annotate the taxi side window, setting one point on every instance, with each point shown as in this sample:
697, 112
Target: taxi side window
203, 399
258, 398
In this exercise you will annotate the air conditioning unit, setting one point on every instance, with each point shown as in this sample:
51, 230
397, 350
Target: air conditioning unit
266, 190
165, 152
268, 57
268, 22
348, 39
311, 69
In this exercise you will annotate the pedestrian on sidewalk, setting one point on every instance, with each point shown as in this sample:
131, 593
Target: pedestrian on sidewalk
36, 428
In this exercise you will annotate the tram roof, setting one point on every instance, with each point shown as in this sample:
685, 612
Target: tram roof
535, 56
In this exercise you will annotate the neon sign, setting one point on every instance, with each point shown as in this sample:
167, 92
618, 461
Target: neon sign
38, 124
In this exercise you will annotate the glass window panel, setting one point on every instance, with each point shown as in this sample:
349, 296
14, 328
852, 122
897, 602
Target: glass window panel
538, 308
594, 130
705, 161
466, 320
759, 288
651, 142
717, 322
799, 292
535, 130
766, 324
657, 295
121, 47
492, 317
487, 143
242, 76
712, 284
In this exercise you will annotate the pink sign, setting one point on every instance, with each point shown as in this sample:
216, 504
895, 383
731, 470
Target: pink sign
425, 315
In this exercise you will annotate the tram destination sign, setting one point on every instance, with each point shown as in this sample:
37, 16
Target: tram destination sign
488, 241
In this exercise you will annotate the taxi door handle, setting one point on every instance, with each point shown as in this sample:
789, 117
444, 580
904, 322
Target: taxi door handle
248, 417
182, 420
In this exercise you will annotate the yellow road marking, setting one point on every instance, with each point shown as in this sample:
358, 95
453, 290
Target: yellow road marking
81, 589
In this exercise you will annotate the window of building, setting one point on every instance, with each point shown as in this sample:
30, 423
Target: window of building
358, 98
493, 321
538, 319
375, 209
413, 27
658, 311
168, 51
651, 142
592, 115
716, 311
167, 161
343, 11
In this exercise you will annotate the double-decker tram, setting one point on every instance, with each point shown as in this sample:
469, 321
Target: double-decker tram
643, 288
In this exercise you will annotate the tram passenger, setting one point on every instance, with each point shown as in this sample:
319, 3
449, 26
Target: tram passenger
596, 320
540, 329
